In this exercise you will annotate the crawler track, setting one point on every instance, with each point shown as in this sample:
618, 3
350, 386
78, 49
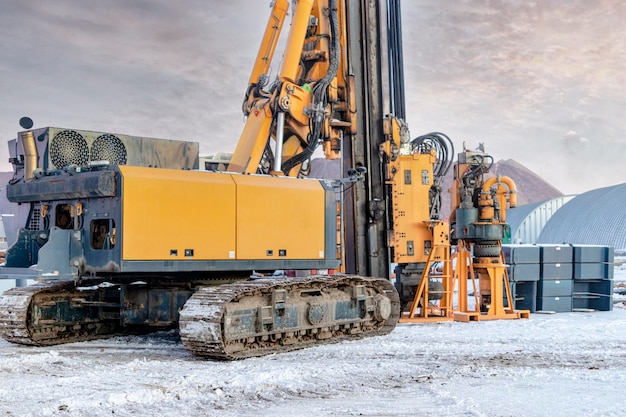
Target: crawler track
47, 314
231, 321
256, 318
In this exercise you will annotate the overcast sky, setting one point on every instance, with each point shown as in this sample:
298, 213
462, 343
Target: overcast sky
540, 82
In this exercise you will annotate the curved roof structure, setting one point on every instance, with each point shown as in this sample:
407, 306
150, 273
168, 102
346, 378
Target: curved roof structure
527, 221
597, 217
516, 217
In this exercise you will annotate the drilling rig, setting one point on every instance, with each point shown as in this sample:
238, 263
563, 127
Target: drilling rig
123, 233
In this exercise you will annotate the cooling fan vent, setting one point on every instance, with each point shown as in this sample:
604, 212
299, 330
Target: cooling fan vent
110, 148
68, 148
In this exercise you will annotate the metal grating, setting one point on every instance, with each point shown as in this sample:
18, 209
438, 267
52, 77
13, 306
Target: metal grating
68, 148
35, 220
110, 148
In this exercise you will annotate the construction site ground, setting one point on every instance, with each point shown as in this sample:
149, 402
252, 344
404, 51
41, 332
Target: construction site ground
565, 364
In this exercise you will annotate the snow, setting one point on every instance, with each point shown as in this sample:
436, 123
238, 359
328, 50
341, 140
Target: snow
201, 330
566, 364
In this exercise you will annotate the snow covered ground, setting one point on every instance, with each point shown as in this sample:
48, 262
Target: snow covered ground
567, 364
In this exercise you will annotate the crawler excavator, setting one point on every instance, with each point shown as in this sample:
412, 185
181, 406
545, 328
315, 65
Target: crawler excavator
123, 233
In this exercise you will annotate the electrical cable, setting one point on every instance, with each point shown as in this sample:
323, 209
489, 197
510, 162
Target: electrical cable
443, 148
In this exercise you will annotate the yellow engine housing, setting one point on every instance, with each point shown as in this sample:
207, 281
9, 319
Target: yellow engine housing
176, 215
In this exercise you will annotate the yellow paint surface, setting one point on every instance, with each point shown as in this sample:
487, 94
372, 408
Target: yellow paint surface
279, 213
411, 186
219, 216
165, 210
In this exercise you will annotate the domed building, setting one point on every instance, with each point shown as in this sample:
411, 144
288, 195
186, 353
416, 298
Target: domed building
597, 217
527, 221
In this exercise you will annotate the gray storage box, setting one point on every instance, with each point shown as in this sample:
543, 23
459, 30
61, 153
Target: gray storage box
555, 288
593, 271
593, 253
556, 254
524, 272
524, 295
595, 295
557, 271
521, 254
557, 304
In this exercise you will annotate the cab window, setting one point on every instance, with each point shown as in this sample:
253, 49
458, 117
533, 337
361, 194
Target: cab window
102, 232
64, 216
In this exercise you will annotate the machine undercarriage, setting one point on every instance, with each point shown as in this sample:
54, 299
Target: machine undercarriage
227, 321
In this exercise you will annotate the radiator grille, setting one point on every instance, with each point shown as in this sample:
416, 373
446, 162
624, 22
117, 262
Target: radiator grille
110, 148
68, 148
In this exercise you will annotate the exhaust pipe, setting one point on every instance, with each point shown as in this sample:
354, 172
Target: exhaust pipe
30, 149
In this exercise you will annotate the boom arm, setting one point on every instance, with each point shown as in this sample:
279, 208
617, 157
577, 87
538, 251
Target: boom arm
306, 105
339, 81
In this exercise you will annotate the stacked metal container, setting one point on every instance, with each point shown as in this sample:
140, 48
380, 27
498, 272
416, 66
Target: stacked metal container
524, 272
560, 278
593, 277
555, 287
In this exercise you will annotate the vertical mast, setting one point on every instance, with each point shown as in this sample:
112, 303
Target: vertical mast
376, 64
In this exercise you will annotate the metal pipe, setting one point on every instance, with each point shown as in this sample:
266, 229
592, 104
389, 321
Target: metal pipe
295, 40
280, 133
342, 254
506, 181
30, 154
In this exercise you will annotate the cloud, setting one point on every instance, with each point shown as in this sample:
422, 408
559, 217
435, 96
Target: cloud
150, 68
518, 74
515, 75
